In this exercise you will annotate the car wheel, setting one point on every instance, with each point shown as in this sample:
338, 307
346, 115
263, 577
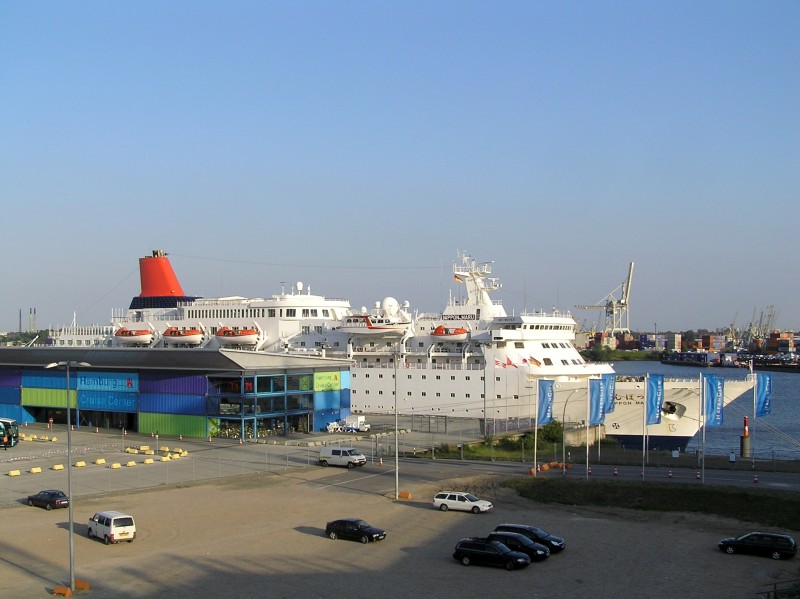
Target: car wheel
476, 509
364, 539
332, 535
730, 549
509, 565
48, 507
776, 555
350, 465
30, 502
324, 463
465, 560
443, 507
106, 540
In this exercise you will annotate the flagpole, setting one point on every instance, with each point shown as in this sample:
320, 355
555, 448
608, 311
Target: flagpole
755, 395
535, 428
644, 418
703, 421
588, 401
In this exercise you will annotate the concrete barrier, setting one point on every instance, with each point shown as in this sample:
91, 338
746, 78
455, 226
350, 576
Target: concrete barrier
80, 464
165, 458
149, 452
100, 461
115, 465
130, 464
54, 439
148, 460
58, 466
14, 473
36, 470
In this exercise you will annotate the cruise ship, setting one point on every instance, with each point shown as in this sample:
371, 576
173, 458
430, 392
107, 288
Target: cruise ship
471, 360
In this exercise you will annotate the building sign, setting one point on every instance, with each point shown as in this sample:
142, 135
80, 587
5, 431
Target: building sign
106, 401
108, 381
327, 381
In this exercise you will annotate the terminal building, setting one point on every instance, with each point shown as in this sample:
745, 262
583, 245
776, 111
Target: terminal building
200, 393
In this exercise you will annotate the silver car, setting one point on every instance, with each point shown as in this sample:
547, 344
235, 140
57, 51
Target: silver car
457, 500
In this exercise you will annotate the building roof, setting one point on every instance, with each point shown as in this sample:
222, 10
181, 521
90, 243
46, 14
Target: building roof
205, 360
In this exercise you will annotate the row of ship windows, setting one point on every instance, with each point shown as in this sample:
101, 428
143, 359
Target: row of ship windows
259, 313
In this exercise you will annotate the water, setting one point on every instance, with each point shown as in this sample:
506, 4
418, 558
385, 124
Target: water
776, 436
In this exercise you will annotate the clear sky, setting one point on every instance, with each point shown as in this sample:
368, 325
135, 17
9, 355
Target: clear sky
357, 146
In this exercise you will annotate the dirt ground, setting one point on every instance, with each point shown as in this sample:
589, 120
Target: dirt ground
264, 535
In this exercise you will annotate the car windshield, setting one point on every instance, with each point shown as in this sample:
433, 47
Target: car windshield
540, 532
471, 497
502, 548
352, 452
361, 524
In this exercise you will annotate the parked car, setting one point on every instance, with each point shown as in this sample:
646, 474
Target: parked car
49, 499
517, 542
112, 527
552, 542
355, 529
484, 552
349, 457
457, 500
774, 545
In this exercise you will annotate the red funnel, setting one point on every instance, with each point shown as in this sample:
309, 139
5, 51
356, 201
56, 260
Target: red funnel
158, 278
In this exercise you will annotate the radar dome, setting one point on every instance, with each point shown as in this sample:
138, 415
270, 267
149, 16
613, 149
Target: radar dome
390, 306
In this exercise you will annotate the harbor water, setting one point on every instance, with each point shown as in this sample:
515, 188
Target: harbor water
776, 436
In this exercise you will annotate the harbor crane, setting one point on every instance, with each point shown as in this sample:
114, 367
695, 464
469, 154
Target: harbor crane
617, 319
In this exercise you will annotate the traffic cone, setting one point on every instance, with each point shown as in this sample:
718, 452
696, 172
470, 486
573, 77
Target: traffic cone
97, 430
380, 463
697, 476
538, 468
669, 475
240, 442
755, 478
180, 437
616, 472
590, 469
152, 435
209, 439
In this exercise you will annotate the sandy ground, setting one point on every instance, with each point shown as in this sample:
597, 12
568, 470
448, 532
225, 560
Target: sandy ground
264, 535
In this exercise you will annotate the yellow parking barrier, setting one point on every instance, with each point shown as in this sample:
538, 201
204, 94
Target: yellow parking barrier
58, 466
130, 464
175, 456
14, 473
100, 461
131, 450
165, 458
148, 460
144, 447
184, 453
164, 449
80, 464
36, 470
115, 465
149, 452
54, 439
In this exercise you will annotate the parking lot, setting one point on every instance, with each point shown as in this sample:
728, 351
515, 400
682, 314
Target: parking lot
263, 532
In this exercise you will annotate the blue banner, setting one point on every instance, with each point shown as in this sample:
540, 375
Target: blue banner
714, 388
654, 399
610, 381
596, 401
763, 394
545, 415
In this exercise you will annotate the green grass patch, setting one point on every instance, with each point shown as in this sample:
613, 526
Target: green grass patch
769, 508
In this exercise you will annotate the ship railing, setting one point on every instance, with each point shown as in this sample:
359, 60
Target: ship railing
417, 366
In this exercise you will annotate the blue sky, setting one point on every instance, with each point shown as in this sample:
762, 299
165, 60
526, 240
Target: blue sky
357, 146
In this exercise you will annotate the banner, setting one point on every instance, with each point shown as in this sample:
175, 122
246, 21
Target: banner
545, 401
596, 401
714, 388
610, 381
763, 394
654, 399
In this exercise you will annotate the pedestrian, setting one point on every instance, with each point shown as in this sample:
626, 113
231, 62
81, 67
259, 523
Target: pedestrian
5, 443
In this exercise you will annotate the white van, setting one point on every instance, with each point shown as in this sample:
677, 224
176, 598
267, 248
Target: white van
341, 456
112, 527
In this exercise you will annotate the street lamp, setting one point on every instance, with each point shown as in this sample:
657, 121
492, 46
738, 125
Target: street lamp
396, 436
564, 433
67, 365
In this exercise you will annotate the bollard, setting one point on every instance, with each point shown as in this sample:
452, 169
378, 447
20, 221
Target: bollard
669, 474
616, 472
697, 476
755, 478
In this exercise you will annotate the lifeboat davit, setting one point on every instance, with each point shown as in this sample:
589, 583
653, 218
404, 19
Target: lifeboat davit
176, 336
442, 333
133, 336
229, 336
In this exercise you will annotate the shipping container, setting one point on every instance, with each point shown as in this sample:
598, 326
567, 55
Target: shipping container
107, 401
9, 396
173, 403
47, 398
48, 379
18, 413
173, 383
11, 378
173, 425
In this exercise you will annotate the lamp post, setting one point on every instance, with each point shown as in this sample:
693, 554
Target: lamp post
564, 432
67, 365
396, 436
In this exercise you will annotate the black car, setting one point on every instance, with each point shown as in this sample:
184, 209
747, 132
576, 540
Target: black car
355, 529
552, 542
49, 499
489, 553
517, 542
774, 545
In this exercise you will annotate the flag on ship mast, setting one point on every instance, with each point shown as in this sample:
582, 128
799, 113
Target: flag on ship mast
654, 399
545, 413
763, 394
458, 279
509, 362
714, 398
596, 401
498, 364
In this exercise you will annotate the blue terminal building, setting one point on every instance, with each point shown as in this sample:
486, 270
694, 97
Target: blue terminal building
201, 393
